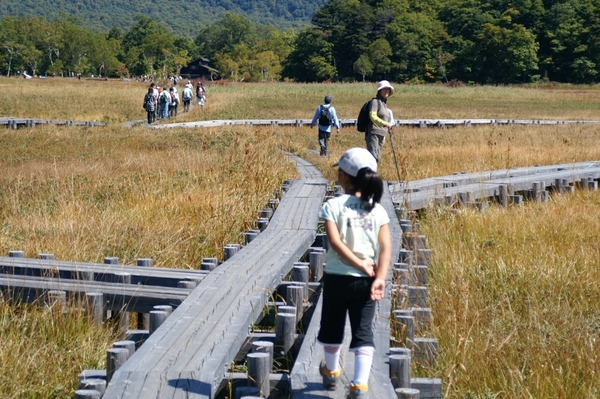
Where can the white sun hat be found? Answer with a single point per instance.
(383, 85)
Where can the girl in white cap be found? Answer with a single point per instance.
(358, 259)
(379, 119)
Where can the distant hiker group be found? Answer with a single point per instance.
(161, 103)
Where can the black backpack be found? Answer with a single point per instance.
(325, 119)
(363, 117)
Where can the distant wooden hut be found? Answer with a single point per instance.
(200, 69)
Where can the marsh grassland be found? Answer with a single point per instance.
(515, 293)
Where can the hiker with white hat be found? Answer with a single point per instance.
(379, 119)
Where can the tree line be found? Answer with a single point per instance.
(493, 42)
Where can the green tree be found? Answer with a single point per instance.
(363, 66)
(228, 67)
(312, 58)
(350, 26)
(269, 66)
(379, 52)
(223, 35)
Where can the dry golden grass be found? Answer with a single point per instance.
(516, 300)
(43, 351)
(175, 196)
(513, 291)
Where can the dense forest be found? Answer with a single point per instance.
(454, 41)
(182, 17)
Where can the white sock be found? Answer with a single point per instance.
(363, 358)
(332, 356)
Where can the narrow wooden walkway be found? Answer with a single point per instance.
(419, 123)
(465, 188)
(189, 355)
(16, 123)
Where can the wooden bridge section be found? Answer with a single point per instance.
(17, 123)
(418, 123)
(505, 186)
(189, 355)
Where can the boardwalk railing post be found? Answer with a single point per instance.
(121, 315)
(87, 394)
(400, 371)
(95, 384)
(157, 317)
(56, 300)
(115, 358)
(294, 296)
(251, 235)
(285, 332)
(126, 344)
(503, 195)
(96, 306)
(301, 272)
(264, 347)
(408, 328)
(143, 319)
(259, 371)
(316, 261)
(408, 393)
(16, 254)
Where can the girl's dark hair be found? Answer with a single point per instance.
(370, 185)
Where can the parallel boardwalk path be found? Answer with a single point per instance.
(467, 188)
(420, 123)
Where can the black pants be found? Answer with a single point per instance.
(151, 116)
(351, 295)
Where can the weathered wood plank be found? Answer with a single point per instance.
(165, 277)
(351, 122)
(131, 298)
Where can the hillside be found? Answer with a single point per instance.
(185, 17)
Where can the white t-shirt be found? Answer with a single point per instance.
(359, 231)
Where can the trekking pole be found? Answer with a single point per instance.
(395, 159)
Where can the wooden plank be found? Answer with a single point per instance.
(132, 298)
(165, 277)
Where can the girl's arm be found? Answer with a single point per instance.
(383, 263)
(342, 250)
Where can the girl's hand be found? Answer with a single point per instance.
(368, 266)
(378, 289)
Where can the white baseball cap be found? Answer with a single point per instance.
(355, 159)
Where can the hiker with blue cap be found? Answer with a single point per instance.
(326, 116)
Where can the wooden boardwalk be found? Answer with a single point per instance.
(57, 269)
(188, 356)
(468, 188)
(418, 123)
(17, 123)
